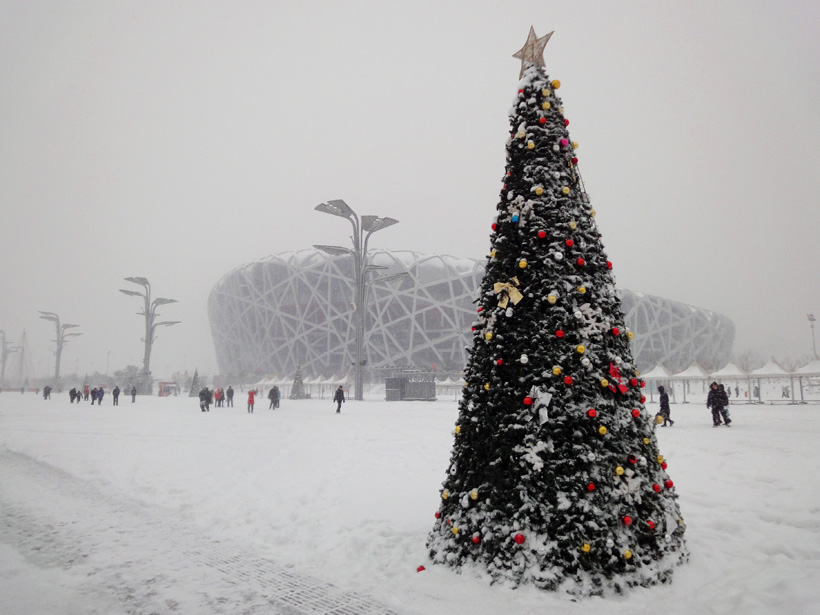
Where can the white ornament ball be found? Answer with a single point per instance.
(509, 312)
(667, 538)
(585, 362)
(558, 256)
(610, 543)
(578, 314)
(591, 457)
(524, 359)
(555, 148)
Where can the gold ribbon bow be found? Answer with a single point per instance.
(508, 292)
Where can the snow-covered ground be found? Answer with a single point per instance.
(155, 507)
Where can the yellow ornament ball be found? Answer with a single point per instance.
(602, 430)
(555, 84)
(556, 371)
(561, 110)
(521, 134)
(658, 419)
(488, 335)
(552, 298)
(573, 225)
(455, 530)
(492, 254)
(487, 386)
(474, 495)
(565, 190)
(604, 382)
(580, 349)
(646, 440)
(582, 290)
(592, 212)
(545, 92)
(458, 429)
(545, 105)
(530, 145)
(629, 336)
(539, 190)
(445, 494)
(575, 145)
(585, 547)
(522, 263)
(660, 459)
(628, 554)
(619, 471)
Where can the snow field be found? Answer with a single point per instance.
(349, 498)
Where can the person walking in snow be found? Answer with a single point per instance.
(717, 401)
(229, 396)
(85, 392)
(100, 393)
(276, 396)
(664, 407)
(116, 394)
(339, 398)
(133, 394)
(93, 395)
(272, 398)
(251, 396)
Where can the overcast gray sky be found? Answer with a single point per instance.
(178, 140)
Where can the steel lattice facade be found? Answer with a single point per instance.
(295, 308)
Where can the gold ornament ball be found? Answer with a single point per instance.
(474, 495)
(565, 190)
(492, 254)
(628, 554)
(455, 530)
(522, 263)
(573, 225)
(458, 429)
(580, 349)
(602, 430)
(592, 212)
(556, 371)
(619, 471)
(545, 105)
(604, 382)
(658, 419)
(555, 84)
(561, 110)
(585, 547)
(545, 92)
(646, 440)
(521, 134)
(444, 495)
(530, 145)
(582, 290)
(660, 459)
(539, 191)
(629, 336)
(487, 386)
(575, 145)
(488, 335)
(552, 298)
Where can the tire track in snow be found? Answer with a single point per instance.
(143, 558)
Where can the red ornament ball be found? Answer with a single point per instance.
(542, 234)
(438, 515)
(520, 91)
(493, 226)
(566, 122)
(568, 380)
(592, 413)
(421, 569)
(668, 484)
(581, 262)
(574, 160)
(559, 333)
(651, 524)
(528, 401)
(609, 264)
(476, 539)
(627, 520)
(591, 487)
(616, 331)
(499, 362)
(519, 539)
(480, 309)
(632, 459)
(569, 243)
(643, 398)
(663, 465)
(634, 382)
(636, 413)
(543, 120)
(656, 488)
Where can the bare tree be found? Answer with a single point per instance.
(748, 360)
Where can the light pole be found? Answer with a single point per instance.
(60, 340)
(150, 313)
(6, 350)
(812, 319)
(362, 230)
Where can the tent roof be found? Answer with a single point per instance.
(770, 370)
(812, 369)
(659, 372)
(693, 372)
(729, 371)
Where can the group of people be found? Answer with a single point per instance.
(219, 396)
(96, 394)
(207, 397)
(717, 401)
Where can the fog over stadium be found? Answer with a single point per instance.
(178, 141)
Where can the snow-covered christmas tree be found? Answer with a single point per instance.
(555, 477)
(297, 391)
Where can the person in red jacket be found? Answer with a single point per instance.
(251, 395)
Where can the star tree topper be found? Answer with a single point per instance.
(533, 50)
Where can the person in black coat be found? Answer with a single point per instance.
(339, 398)
(229, 396)
(133, 394)
(116, 394)
(717, 401)
(664, 404)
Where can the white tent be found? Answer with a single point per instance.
(658, 374)
(772, 371)
(693, 372)
(733, 372)
(812, 370)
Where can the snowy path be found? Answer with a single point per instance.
(130, 558)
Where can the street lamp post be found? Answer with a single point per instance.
(60, 339)
(363, 228)
(150, 313)
(812, 320)
(6, 349)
